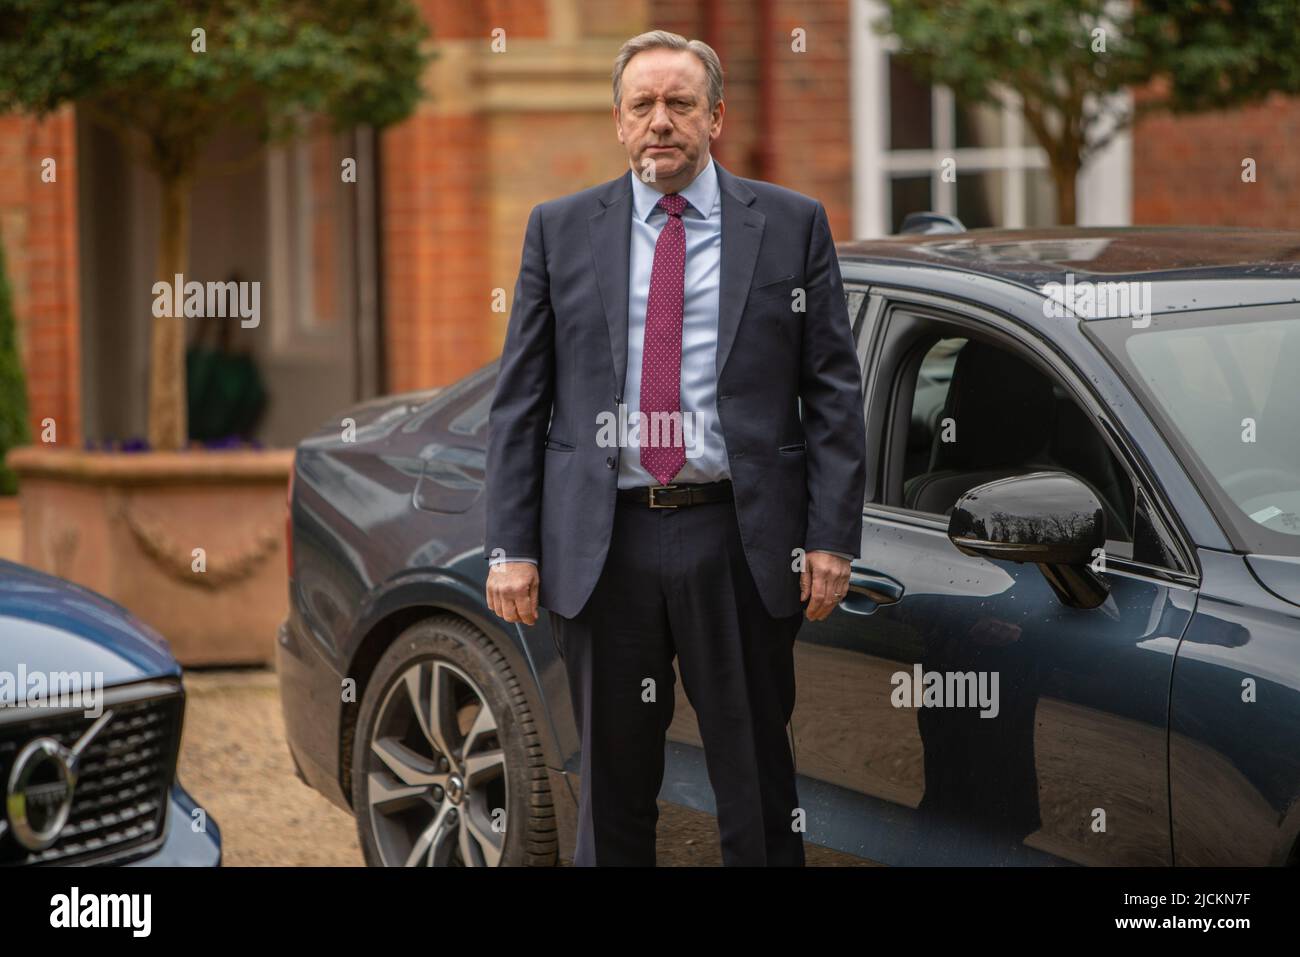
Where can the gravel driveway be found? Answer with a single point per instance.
(235, 763)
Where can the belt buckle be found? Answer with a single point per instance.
(656, 488)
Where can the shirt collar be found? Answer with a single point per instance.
(701, 193)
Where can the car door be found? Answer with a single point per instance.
(953, 710)
(686, 780)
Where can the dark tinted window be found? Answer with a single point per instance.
(981, 413)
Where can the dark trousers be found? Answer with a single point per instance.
(675, 583)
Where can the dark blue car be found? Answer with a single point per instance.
(91, 709)
(1072, 636)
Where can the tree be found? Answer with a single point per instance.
(168, 74)
(1067, 58)
(13, 390)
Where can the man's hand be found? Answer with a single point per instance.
(825, 577)
(512, 591)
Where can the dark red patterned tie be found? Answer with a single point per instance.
(661, 355)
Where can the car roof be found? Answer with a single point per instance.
(1190, 267)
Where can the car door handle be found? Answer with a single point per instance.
(869, 589)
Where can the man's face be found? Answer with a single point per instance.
(664, 118)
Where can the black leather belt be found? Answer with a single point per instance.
(674, 496)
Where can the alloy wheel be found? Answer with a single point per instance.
(436, 787)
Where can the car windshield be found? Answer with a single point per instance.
(1225, 386)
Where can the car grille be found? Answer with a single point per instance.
(119, 805)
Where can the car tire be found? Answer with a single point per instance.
(403, 816)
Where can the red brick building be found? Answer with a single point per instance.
(390, 283)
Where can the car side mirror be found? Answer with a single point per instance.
(1049, 518)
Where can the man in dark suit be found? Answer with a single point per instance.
(676, 459)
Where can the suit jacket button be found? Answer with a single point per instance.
(610, 461)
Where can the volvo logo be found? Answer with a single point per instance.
(42, 781)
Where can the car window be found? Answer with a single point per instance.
(853, 299)
(863, 311)
(1224, 384)
(928, 399)
(980, 412)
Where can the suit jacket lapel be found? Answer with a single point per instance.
(609, 232)
(742, 233)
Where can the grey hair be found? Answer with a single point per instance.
(671, 41)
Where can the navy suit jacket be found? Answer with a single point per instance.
(799, 474)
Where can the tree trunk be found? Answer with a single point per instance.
(167, 413)
(1065, 177)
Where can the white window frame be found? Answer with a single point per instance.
(1104, 187)
(295, 329)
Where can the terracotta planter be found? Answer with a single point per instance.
(127, 525)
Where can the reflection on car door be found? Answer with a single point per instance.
(1059, 752)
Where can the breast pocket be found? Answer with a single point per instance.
(778, 288)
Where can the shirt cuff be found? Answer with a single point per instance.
(829, 552)
(506, 558)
